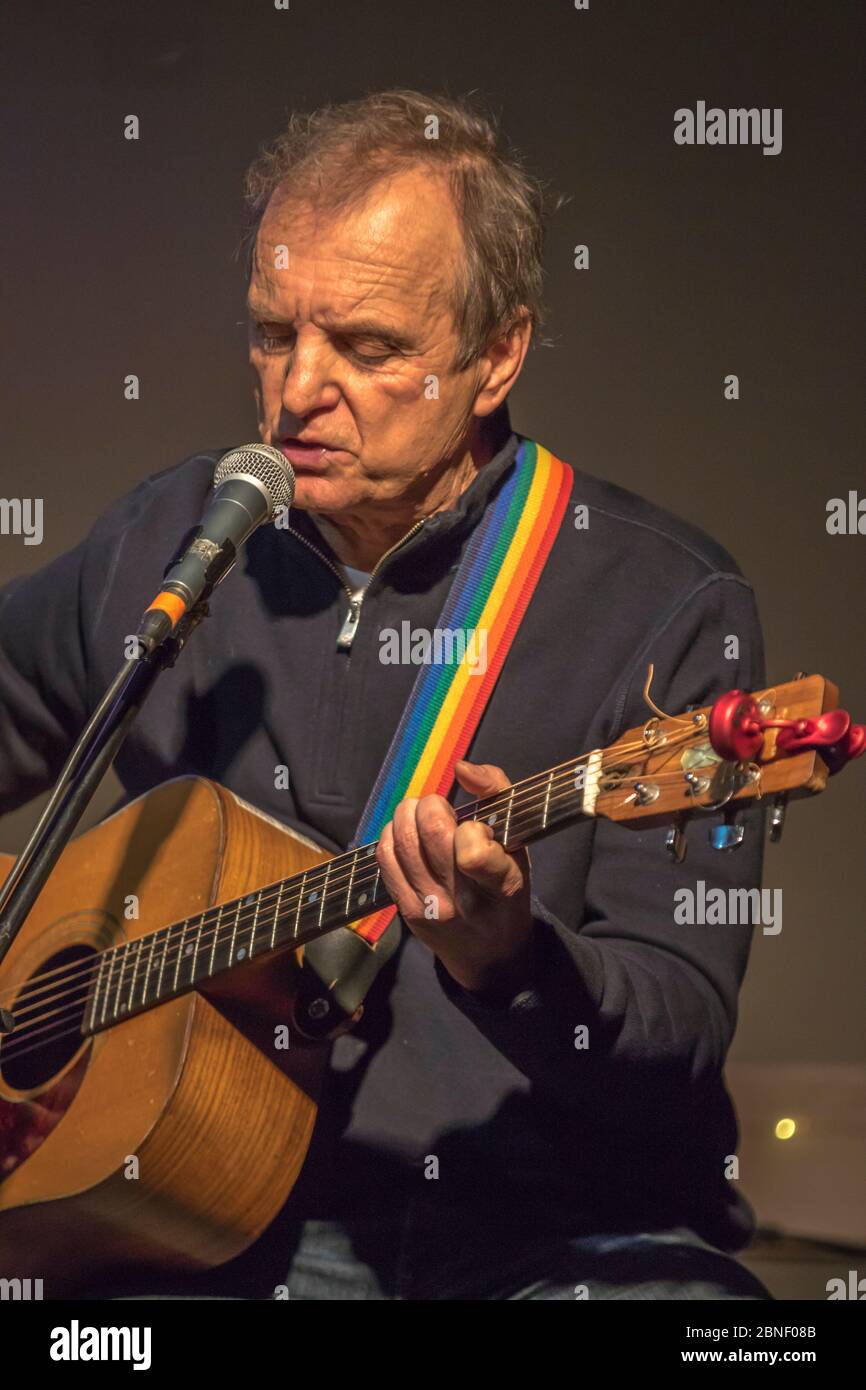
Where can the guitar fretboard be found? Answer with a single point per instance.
(292, 912)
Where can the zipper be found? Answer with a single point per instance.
(350, 625)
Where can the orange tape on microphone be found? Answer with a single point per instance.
(171, 604)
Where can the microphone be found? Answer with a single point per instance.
(250, 484)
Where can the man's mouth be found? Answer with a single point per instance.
(309, 454)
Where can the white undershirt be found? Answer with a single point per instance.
(357, 580)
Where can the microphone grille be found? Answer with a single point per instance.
(261, 461)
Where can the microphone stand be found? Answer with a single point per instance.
(93, 753)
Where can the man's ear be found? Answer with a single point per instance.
(502, 363)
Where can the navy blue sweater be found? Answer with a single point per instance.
(634, 1131)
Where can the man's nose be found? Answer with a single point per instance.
(309, 383)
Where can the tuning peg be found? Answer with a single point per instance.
(676, 843)
(729, 835)
(737, 728)
(777, 817)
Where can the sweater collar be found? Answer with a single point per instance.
(456, 521)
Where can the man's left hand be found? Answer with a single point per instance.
(456, 888)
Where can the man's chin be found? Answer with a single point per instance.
(315, 493)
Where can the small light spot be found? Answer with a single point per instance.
(785, 1129)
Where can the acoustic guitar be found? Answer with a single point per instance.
(156, 1098)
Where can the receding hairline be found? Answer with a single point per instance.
(446, 293)
(330, 208)
(337, 154)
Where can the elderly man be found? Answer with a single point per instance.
(531, 1104)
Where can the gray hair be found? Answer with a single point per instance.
(333, 156)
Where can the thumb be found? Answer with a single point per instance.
(480, 777)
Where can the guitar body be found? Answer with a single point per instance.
(171, 1139)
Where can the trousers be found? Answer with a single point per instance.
(381, 1259)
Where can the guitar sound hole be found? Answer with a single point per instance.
(48, 1013)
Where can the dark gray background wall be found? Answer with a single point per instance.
(118, 257)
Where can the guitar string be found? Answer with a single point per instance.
(221, 931)
(24, 1044)
(20, 1045)
(496, 801)
(525, 803)
(15, 1046)
(129, 967)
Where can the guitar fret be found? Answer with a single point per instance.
(194, 963)
(371, 850)
(179, 955)
(277, 912)
(147, 971)
(301, 891)
(137, 944)
(216, 936)
(547, 799)
(242, 902)
(351, 881)
(166, 934)
(253, 928)
(324, 891)
(121, 956)
(95, 1005)
(106, 1002)
(508, 817)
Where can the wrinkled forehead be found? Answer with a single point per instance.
(401, 242)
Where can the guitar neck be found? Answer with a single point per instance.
(661, 772)
(292, 912)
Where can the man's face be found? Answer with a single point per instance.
(353, 344)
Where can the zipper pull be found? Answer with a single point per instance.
(350, 626)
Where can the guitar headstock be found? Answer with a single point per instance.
(783, 742)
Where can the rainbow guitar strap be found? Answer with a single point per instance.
(490, 593)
